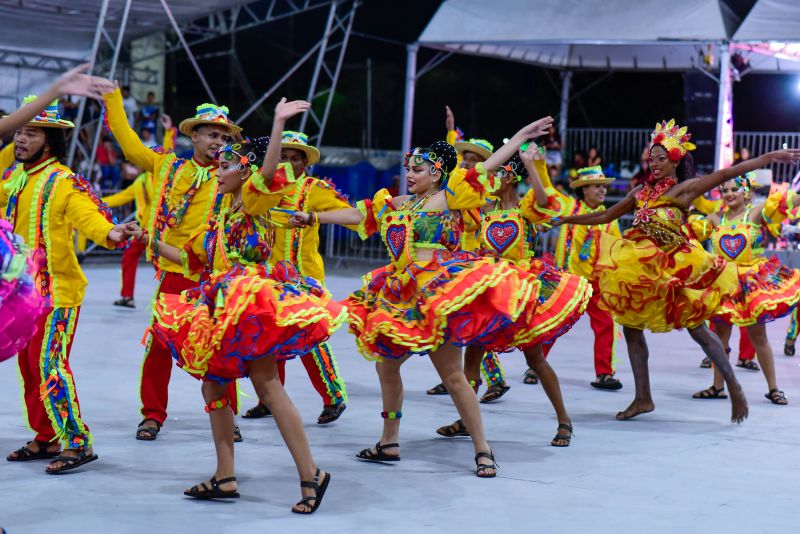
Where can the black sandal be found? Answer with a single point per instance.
(788, 350)
(70, 462)
(25, 454)
(607, 382)
(438, 390)
(331, 413)
(237, 435)
(148, 433)
(379, 456)
(204, 491)
(562, 441)
(257, 412)
(711, 393)
(750, 365)
(319, 490)
(125, 302)
(481, 468)
(706, 363)
(777, 396)
(452, 430)
(530, 377)
(495, 392)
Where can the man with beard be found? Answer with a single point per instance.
(44, 200)
(184, 201)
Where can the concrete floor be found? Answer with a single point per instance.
(683, 468)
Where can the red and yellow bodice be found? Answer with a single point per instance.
(507, 234)
(661, 220)
(739, 241)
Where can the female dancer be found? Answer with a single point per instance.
(433, 297)
(508, 233)
(767, 289)
(242, 319)
(655, 278)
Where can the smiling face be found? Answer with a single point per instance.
(207, 139)
(30, 144)
(733, 195)
(660, 165)
(419, 179)
(594, 194)
(470, 159)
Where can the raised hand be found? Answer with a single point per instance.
(791, 155)
(166, 122)
(450, 120)
(286, 110)
(537, 128)
(77, 82)
(531, 154)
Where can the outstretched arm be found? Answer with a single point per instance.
(344, 217)
(504, 153)
(528, 157)
(695, 188)
(164, 250)
(73, 82)
(613, 213)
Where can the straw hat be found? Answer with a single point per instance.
(209, 114)
(299, 141)
(590, 176)
(49, 117)
(482, 147)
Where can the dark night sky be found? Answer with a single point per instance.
(490, 98)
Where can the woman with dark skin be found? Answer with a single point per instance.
(679, 286)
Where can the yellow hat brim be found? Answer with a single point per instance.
(64, 125)
(311, 152)
(188, 125)
(465, 146)
(575, 184)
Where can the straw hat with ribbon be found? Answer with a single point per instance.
(482, 147)
(50, 117)
(209, 114)
(590, 176)
(299, 141)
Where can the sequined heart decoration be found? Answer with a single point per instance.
(732, 245)
(396, 240)
(502, 235)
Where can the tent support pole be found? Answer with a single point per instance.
(566, 81)
(723, 145)
(408, 108)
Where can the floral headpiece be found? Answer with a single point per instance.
(513, 167)
(673, 138)
(248, 153)
(745, 181)
(441, 155)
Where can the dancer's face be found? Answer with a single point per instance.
(296, 158)
(207, 139)
(231, 175)
(594, 194)
(660, 164)
(470, 159)
(30, 144)
(732, 194)
(419, 179)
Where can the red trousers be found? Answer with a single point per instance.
(605, 332)
(158, 364)
(130, 261)
(62, 396)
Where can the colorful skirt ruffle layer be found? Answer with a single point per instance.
(455, 297)
(245, 314)
(768, 290)
(21, 302)
(649, 288)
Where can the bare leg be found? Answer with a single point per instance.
(264, 372)
(723, 331)
(392, 396)
(447, 361)
(549, 380)
(758, 337)
(222, 432)
(638, 355)
(472, 365)
(714, 349)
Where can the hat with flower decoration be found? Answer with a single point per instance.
(209, 114)
(481, 147)
(50, 117)
(673, 138)
(299, 141)
(590, 176)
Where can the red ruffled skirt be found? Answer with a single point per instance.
(245, 314)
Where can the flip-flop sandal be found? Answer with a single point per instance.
(25, 454)
(438, 390)
(148, 433)
(331, 413)
(237, 435)
(481, 468)
(319, 492)
(70, 462)
(777, 396)
(606, 382)
(204, 491)
(750, 365)
(530, 377)
(455, 429)
(495, 392)
(563, 441)
(711, 393)
(379, 456)
(706, 363)
(257, 412)
(788, 350)
(125, 303)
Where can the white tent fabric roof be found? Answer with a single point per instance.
(771, 20)
(593, 34)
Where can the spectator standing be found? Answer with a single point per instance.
(130, 105)
(149, 114)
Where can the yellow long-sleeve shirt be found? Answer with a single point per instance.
(185, 197)
(52, 202)
(6, 157)
(299, 246)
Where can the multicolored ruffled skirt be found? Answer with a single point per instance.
(455, 297)
(660, 289)
(768, 290)
(21, 303)
(244, 314)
